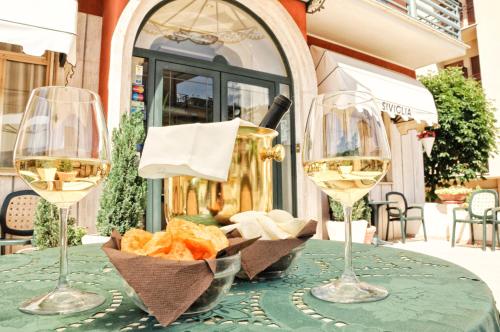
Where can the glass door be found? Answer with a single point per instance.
(245, 98)
(249, 99)
(186, 94)
(182, 94)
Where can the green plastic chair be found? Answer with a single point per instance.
(16, 218)
(398, 211)
(496, 228)
(480, 211)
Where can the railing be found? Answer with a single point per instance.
(442, 15)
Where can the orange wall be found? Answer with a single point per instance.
(297, 9)
(93, 7)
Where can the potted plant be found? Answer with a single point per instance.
(345, 166)
(453, 194)
(47, 170)
(361, 214)
(65, 171)
(427, 138)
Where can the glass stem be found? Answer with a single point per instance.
(63, 244)
(348, 276)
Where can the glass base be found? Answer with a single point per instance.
(63, 300)
(349, 292)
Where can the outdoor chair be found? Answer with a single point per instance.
(16, 218)
(480, 211)
(398, 211)
(495, 228)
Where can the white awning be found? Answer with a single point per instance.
(397, 94)
(40, 25)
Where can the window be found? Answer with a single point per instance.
(211, 30)
(467, 15)
(19, 74)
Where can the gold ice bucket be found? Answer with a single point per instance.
(249, 185)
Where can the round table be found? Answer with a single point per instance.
(426, 294)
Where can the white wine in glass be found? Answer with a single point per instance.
(62, 153)
(346, 153)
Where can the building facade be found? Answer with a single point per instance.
(482, 63)
(187, 61)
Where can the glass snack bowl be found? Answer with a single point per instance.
(226, 269)
(278, 269)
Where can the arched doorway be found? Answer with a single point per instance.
(286, 38)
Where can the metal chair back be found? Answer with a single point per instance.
(481, 200)
(401, 202)
(18, 212)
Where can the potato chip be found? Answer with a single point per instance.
(159, 243)
(180, 229)
(183, 240)
(200, 248)
(217, 237)
(188, 230)
(178, 252)
(134, 240)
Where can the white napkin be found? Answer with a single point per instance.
(201, 150)
(274, 225)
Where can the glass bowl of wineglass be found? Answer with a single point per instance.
(62, 153)
(346, 153)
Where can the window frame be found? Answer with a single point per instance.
(47, 60)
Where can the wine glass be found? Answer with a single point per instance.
(346, 154)
(62, 153)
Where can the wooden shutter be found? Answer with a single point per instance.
(475, 67)
(469, 7)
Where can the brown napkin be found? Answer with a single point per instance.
(167, 288)
(263, 253)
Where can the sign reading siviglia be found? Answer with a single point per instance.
(396, 109)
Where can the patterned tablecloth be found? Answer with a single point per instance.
(427, 294)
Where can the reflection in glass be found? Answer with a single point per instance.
(246, 101)
(187, 98)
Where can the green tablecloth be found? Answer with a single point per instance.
(427, 294)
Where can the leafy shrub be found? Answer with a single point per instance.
(123, 200)
(46, 227)
(466, 136)
(360, 210)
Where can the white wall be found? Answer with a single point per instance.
(488, 36)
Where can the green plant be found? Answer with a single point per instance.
(360, 210)
(46, 227)
(65, 166)
(453, 190)
(466, 136)
(123, 200)
(45, 164)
